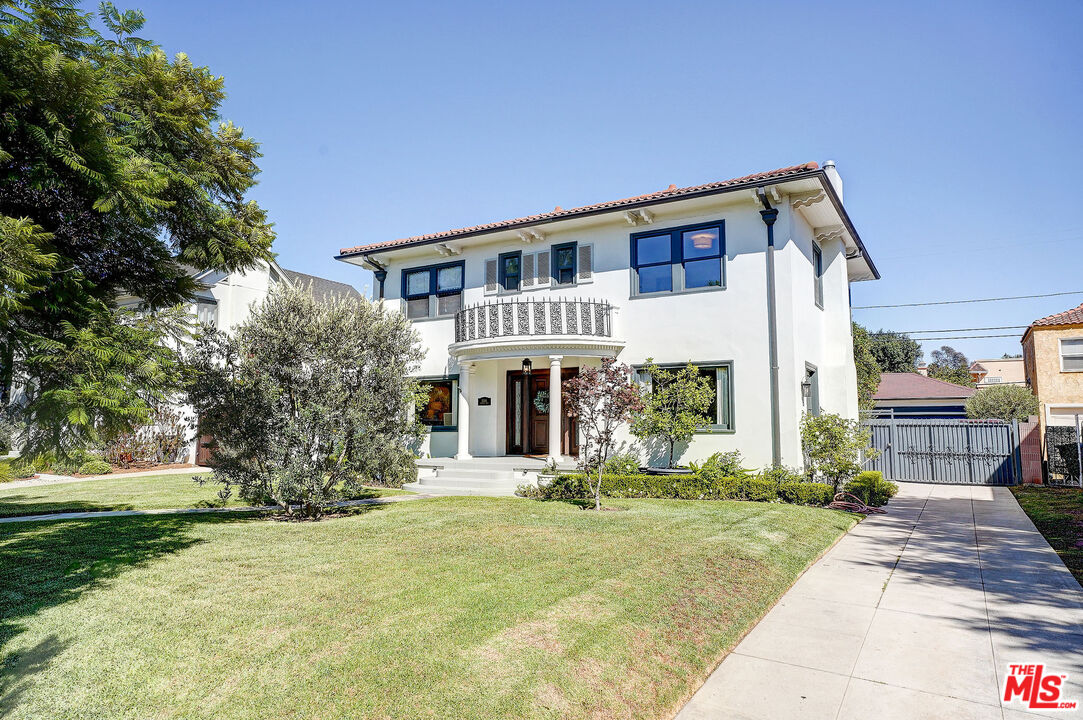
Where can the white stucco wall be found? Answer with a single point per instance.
(727, 325)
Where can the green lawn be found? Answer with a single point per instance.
(121, 492)
(1057, 512)
(436, 608)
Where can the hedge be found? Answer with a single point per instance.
(871, 487)
(571, 486)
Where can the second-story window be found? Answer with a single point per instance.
(818, 274)
(681, 259)
(433, 291)
(511, 271)
(564, 263)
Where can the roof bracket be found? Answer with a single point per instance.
(641, 216)
(530, 235)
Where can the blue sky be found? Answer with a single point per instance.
(955, 125)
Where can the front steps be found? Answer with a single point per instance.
(493, 476)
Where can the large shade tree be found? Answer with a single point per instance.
(117, 176)
(868, 369)
(894, 352)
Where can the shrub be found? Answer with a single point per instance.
(95, 466)
(871, 487)
(781, 474)
(22, 470)
(806, 493)
(1003, 402)
(833, 447)
(622, 464)
(720, 465)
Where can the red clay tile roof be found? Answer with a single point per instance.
(1068, 317)
(671, 192)
(912, 386)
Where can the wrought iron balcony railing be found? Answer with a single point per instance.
(523, 318)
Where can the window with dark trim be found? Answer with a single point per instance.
(511, 271)
(439, 408)
(687, 258)
(818, 274)
(433, 291)
(720, 377)
(563, 259)
(812, 400)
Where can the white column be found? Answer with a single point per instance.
(555, 411)
(463, 420)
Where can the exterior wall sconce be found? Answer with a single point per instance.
(527, 365)
(806, 389)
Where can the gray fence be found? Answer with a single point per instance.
(971, 452)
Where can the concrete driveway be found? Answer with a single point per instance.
(914, 614)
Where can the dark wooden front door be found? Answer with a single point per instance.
(528, 415)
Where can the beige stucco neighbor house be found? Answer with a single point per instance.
(1053, 365)
(998, 371)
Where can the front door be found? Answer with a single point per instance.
(528, 415)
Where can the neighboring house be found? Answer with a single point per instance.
(1053, 363)
(749, 279)
(227, 299)
(999, 371)
(915, 395)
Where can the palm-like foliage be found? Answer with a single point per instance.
(116, 176)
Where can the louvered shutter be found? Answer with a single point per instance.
(528, 270)
(491, 280)
(585, 269)
(543, 267)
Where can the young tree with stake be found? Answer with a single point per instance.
(603, 399)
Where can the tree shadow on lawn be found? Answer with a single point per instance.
(21, 505)
(49, 563)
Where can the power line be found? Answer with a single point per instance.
(948, 337)
(963, 302)
(918, 332)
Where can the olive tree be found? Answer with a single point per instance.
(1004, 402)
(308, 400)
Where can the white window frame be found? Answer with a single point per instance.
(1061, 353)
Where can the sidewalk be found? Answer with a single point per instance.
(914, 614)
(50, 479)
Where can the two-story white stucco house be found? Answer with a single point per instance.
(748, 278)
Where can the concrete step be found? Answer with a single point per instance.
(489, 474)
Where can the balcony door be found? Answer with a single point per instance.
(528, 415)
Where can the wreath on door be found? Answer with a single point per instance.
(541, 402)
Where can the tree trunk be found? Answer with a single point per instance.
(671, 444)
(598, 494)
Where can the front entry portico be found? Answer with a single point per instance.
(535, 414)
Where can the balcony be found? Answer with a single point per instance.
(527, 318)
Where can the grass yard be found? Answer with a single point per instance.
(438, 608)
(1057, 512)
(150, 492)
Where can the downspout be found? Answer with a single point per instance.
(379, 272)
(769, 215)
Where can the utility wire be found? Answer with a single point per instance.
(918, 332)
(963, 302)
(949, 337)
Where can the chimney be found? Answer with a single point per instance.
(923, 369)
(833, 176)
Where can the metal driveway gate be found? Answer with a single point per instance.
(971, 452)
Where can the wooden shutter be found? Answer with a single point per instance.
(543, 268)
(491, 280)
(585, 268)
(528, 270)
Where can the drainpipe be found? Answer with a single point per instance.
(379, 272)
(769, 215)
